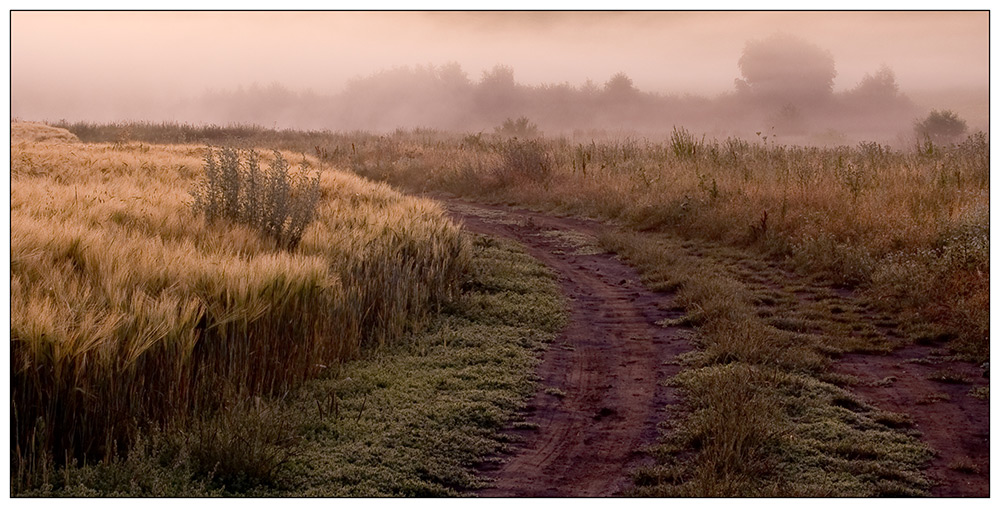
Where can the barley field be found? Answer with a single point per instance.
(131, 310)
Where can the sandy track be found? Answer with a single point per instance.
(601, 391)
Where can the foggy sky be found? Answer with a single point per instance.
(68, 64)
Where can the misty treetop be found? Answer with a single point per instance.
(784, 69)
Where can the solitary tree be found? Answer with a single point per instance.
(787, 70)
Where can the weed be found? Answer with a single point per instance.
(950, 377)
(521, 127)
(964, 465)
(275, 203)
(522, 161)
(683, 144)
(933, 398)
(980, 392)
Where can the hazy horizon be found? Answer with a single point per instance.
(138, 65)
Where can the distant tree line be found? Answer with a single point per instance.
(785, 88)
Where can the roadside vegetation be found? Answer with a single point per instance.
(764, 416)
(908, 228)
(413, 418)
(783, 257)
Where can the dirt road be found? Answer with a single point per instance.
(601, 389)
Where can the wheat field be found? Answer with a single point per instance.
(130, 310)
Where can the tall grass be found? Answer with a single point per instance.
(130, 311)
(909, 227)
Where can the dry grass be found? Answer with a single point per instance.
(36, 132)
(128, 310)
(910, 227)
(762, 419)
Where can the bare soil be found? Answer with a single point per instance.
(602, 391)
(928, 384)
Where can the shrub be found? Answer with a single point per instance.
(940, 127)
(520, 128)
(276, 203)
(522, 162)
(684, 144)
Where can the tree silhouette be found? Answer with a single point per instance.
(500, 77)
(620, 86)
(785, 69)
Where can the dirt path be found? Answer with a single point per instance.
(601, 393)
(601, 390)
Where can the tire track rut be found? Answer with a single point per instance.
(601, 391)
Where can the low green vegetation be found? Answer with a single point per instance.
(764, 416)
(413, 418)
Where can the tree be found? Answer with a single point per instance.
(453, 77)
(500, 77)
(497, 94)
(620, 86)
(880, 85)
(785, 69)
(940, 127)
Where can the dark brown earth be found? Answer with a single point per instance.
(601, 391)
(928, 384)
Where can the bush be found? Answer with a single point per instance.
(940, 127)
(520, 128)
(522, 161)
(684, 144)
(275, 202)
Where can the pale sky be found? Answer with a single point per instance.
(105, 56)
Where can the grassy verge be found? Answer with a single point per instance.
(764, 418)
(410, 419)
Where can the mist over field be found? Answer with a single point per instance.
(811, 77)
